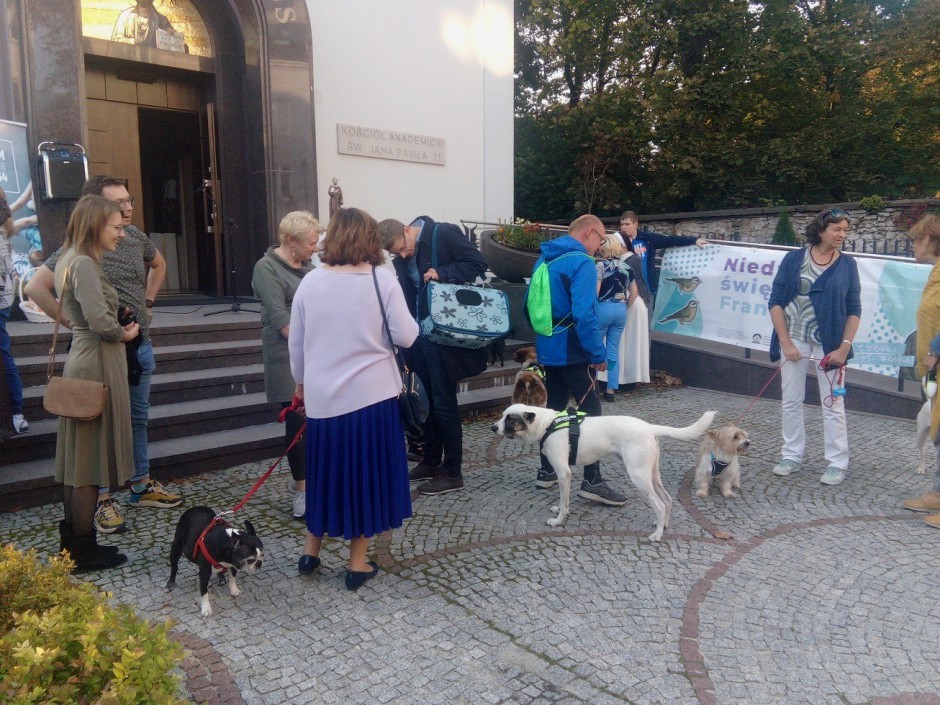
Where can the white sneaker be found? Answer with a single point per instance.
(300, 505)
(833, 476)
(19, 424)
(785, 467)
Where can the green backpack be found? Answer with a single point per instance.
(538, 298)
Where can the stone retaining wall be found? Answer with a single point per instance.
(882, 231)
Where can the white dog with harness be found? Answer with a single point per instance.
(633, 439)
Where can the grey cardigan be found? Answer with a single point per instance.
(275, 282)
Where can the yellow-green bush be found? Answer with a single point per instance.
(62, 642)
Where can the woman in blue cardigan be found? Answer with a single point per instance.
(815, 306)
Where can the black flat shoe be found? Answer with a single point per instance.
(307, 564)
(356, 579)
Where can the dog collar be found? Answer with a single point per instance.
(200, 547)
(535, 368)
(718, 466)
(572, 420)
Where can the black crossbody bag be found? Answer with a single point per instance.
(412, 400)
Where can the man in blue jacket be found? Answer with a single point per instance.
(575, 350)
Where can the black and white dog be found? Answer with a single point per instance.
(633, 440)
(223, 547)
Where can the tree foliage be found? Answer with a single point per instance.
(663, 105)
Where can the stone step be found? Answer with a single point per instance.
(175, 387)
(30, 482)
(32, 339)
(178, 358)
(167, 422)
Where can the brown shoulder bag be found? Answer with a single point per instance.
(69, 397)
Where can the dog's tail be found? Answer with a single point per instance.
(689, 433)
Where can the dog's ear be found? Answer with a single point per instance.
(529, 418)
(249, 529)
(714, 433)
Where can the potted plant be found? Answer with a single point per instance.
(513, 248)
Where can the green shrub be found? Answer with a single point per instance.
(872, 203)
(62, 642)
(784, 233)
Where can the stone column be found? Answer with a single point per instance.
(55, 95)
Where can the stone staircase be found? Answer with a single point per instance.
(208, 408)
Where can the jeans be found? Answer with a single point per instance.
(611, 320)
(561, 383)
(140, 411)
(793, 390)
(443, 432)
(9, 366)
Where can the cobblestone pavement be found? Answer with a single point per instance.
(822, 595)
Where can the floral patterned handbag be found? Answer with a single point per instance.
(462, 315)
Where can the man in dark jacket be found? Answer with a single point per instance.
(439, 367)
(575, 349)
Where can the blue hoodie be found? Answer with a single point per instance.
(577, 340)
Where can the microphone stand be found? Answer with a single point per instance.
(236, 306)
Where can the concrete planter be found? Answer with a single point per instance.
(507, 263)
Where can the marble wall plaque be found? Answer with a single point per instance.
(389, 144)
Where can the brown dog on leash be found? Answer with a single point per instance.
(530, 380)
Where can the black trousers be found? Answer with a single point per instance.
(562, 383)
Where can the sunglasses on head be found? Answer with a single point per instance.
(837, 214)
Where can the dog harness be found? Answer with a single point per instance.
(535, 368)
(200, 547)
(718, 466)
(571, 419)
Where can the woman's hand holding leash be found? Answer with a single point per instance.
(790, 352)
(296, 404)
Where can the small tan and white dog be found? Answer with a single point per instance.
(635, 441)
(718, 460)
(530, 380)
(923, 431)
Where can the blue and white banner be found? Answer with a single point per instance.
(720, 292)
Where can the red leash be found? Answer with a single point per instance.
(294, 406)
(823, 365)
(200, 547)
(754, 400)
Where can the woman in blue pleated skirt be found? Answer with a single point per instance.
(348, 381)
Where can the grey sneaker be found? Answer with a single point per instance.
(833, 476)
(602, 494)
(299, 505)
(785, 467)
(546, 478)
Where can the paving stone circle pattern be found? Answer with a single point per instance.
(822, 595)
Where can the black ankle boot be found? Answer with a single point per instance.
(88, 555)
(65, 539)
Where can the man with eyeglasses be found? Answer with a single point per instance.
(440, 367)
(137, 270)
(575, 350)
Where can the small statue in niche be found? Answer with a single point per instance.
(336, 197)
